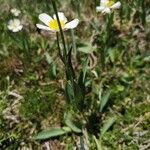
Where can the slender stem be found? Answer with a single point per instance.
(61, 31)
(59, 49)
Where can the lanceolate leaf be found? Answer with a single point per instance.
(82, 76)
(104, 100)
(107, 125)
(69, 94)
(98, 143)
(86, 47)
(79, 97)
(71, 125)
(52, 132)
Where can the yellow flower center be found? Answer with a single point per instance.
(109, 3)
(53, 24)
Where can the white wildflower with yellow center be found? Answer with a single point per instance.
(14, 25)
(52, 23)
(107, 5)
(15, 12)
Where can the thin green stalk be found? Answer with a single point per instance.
(61, 31)
(68, 66)
(59, 49)
(65, 55)
(109, 22)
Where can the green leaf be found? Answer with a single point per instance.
(98, 143)
(70, 71)
(79, 96)
(112, 54)
(82, 76)
(74, 94)
(52, 132)
(107, 125)
(54, 70)
(69, 94)
(71, 125)
(48, 58)
(25, 43)
(86, 48)
(104, 100)
(147, 59)
(66, 129)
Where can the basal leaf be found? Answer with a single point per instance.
(107, 125)
(104, 100)
(69, 94)
(98, 144)
(86, 48)
(71, 125)
(52, 132)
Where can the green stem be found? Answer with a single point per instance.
(67, 68)
(59, 49)
(61, 31)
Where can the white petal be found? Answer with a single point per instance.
(106, 10)
(15, 30)
(61, 17)
(45, 18)
(72, 24)
(100, 8)
(15, 12)
(10, 22)
(116, 5)
(16, 22)
(14, 25)
(10, 27)
(40, 26)
(103, 2)
(20, 27)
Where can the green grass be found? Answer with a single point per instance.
(30, 67)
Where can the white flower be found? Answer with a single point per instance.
(52, 23)
(107, 5)
(14, 25)
(15, 12)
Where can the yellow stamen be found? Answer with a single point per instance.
(53, 24)
(109, 3)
